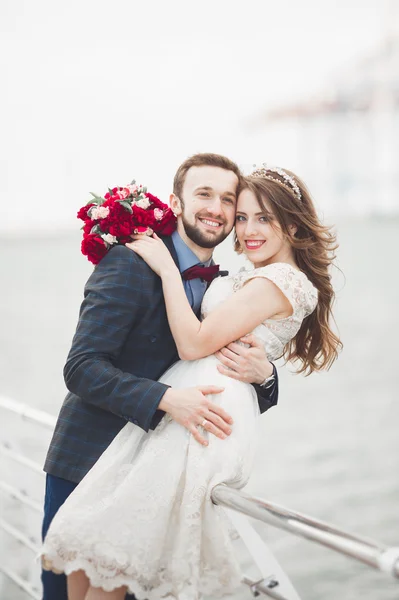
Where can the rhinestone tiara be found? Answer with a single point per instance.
(290, 183)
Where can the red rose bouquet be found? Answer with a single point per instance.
(122, 212)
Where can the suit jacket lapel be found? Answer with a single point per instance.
(171, 247)
(167, 240)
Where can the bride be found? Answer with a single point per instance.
(142, 521)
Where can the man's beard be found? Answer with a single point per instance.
(200, 238)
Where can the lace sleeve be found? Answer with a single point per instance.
(294, 284)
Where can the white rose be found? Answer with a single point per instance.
(109, 239)
(99, 212)
(132, 188)
(143, 203)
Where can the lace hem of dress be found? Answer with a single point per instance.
(143, 589)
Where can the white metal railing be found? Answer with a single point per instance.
(368, 552)
(39, 417)
(47, 421)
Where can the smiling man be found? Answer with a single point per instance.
(205, 198)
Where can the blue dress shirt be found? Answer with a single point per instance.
(194, 288)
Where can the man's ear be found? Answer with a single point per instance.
(175, 205)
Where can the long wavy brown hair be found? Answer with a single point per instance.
(315, 347)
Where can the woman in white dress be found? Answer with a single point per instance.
(142, 520)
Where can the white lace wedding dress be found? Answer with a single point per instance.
(142, 517)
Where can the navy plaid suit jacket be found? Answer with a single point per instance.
(122, 345)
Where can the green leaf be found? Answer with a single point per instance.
(96, 229)
(126, 205)
(97, 199)
(144, 190)
(133, 182)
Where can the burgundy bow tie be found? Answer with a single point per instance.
(198, 272)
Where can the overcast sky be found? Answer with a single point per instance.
(97, 92)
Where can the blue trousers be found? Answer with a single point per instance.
(57, 491)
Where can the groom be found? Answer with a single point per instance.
(123, 343)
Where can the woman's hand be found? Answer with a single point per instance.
(154, 252)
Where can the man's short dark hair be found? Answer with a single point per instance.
(202, 160)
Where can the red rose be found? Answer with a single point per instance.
(156, 202)
(119, 221)
(82, 213)
(111, 194)
(121, 229)
(108, 201)
(168, 224)
(89, 224)
(142, 216)
(94, 248)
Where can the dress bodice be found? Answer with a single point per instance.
(275, 333)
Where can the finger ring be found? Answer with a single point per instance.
(204, 422)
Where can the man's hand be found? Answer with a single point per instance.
(191, 408)
(247, 364)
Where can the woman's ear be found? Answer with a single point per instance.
(292, 228)
(175, 205)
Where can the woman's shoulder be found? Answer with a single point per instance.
(304, 293)
(293, 282)
(275, 271)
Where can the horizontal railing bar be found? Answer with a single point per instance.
(368, 552)
(21, 583)
(21, 496)
(27, 462)
(19, 536)
(26, 412)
